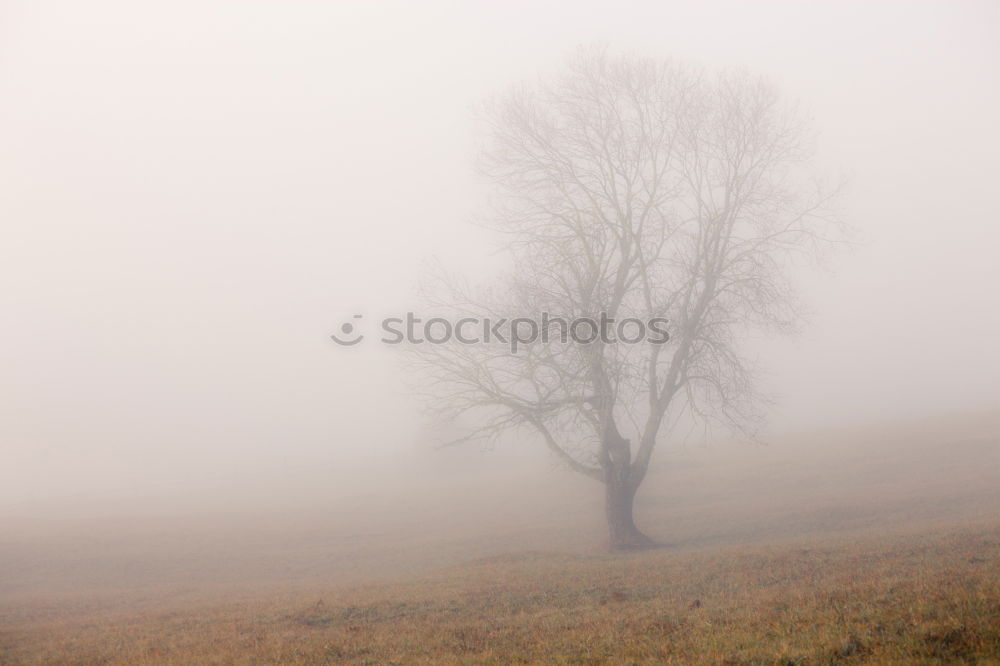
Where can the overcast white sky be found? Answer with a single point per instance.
(193, 195)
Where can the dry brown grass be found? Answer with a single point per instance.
(878, 545)
(921, 596)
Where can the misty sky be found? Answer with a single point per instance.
(194, 195)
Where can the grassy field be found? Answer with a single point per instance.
(879, 545)
(929, 595)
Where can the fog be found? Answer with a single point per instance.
(196, 195)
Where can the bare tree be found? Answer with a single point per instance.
(634, 188)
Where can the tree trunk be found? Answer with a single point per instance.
(619, 501)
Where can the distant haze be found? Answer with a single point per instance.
(194, 195)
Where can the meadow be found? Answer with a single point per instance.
(771, 557)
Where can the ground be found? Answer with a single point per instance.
(878, 546)
(929, 595)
